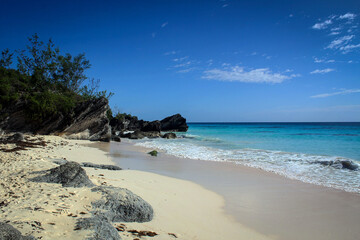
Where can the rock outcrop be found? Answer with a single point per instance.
(70, 174)
(131, 127)
(88, 120)
(8, 232)
(119, 204)
(174, 123)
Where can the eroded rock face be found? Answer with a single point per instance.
(88, 118)
(70, 174)
(91, 116)
(121, 205)
(8, 232)
(174, 123)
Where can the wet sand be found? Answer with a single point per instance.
(265, 202)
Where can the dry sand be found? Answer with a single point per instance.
(49, 211)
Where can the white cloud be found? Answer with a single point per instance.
(334, 33)
(317, 60)
(291, 15)
(322, 25)
(238, 74)
(343, 92)
(339, 42)
(348, 16)
(164, 24)
(349, 47)
(185, 64)
(322, 71)
(170, 53)
(153, 34)
(180, 59)
(225, 5)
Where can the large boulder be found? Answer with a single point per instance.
(70, 174)
(175, 123)
(121, 205)
(8, 232)
(100, 226)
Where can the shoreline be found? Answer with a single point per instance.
(267, 202)
(182, 209)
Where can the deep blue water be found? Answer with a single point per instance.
(294, 150)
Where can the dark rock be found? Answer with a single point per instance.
(349, 165)
(175, 123)
(16, 137)
(136, 135)
(121, 205)
(116, 138)
(8, 232)
(340, 164)
(70, 174)
(153, 153)
(169, 136)
(154, 126)
(88, 118)
(151, 134)
(100, 226)
(101, 166)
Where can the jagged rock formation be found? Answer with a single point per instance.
(88, 120)
(140, 128)
(8, 232)
(70, 174)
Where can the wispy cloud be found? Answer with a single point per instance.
(340, 42)
(317, 60)
(349, 47)
(322, 25)
(343, 29)
(348, 16)
(342, 92)
(164, 24)
(322, 71)
(239, 74)
(170, 53)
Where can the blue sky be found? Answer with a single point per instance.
(220, 60)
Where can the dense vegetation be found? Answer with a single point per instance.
(46, 81)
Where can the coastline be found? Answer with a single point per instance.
(181, 207)
(269, 203)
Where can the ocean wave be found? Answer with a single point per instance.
(304, 167)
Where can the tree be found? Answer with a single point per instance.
(6, 58)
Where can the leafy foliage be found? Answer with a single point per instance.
(48, 83)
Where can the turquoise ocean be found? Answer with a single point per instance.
(309, 152)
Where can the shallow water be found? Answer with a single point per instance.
(293, 150)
